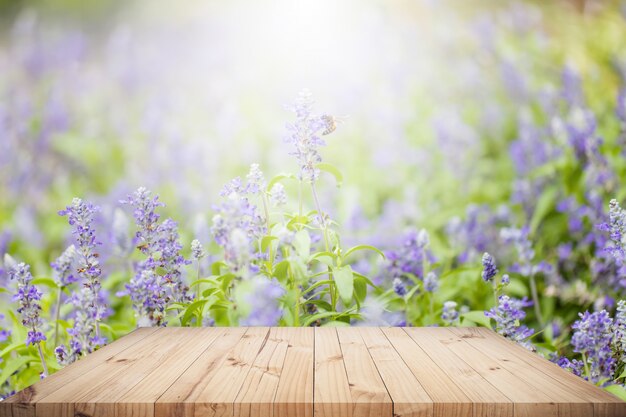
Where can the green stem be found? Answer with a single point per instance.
(318, 207)
(43, 361)
(57, 315)
(533, 291)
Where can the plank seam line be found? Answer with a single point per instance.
(451, 377)
(282, 369)
(344, 368)
(243, 381)
(314, 360)
(479, 353)
(94, 367)
(126, 390)
(182, 373)
(558, 382)
(393, 405)
(411, 370)
(221, 331)
(14, 404)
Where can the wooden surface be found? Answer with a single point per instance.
(307, 372)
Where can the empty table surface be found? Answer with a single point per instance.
(326, 372)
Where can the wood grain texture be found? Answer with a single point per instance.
(306, 372)
(23, 403)
(294, 395)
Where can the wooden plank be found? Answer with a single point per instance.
(218, 397)
(569, 402)
(256, 397)
(409, 398)
(139, 400)
(368, 391)
(331, 387)
(62, 402)
(179, 399)
(528, 400)
(488, 401)
(23, 402)
(294, 395)
(448, 399)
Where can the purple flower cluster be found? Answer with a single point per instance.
(305, 134)
(450, 315)
(593, 337)
(617, 232)
(64, 267)
(158, 279)
(89, 304)
(507, 315)
(81, 215)
(28, 298)
(264, 303)
(411, 258)
(489, 267)
(478, 232)
(238, 223)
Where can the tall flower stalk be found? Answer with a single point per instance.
(89, 306)
(28, 297)
(158, 278)
(64, 273)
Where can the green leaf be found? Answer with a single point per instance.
(13, 365)
(192, 310)
(331, 169)
(546, 203)
(315, 317)
(266, 241)
(617, 390)
(278, 178)
(360, 289)
(11, 348)
(363, 247)
(478, 317)
(46, 282)
(302, 243)
(344, 279)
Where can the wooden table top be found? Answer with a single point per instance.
(301, 372)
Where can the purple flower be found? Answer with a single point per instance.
(507, 315)
(197, 250)
(431, 282)
(525, 252)
(89, 305)
(489, 267)
(305, 133)
(152, 292)
(411, 257)
(236, 227)
(64, 267)
(593, 336)
(28, 298)
(80, 216)
(450, 315)
(264, 303)
(617, 231)
(399, 287)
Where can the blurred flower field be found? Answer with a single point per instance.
(446, 165)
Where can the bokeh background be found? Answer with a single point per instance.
(461, 118)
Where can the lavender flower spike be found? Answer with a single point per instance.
(28, 298)
(507, 315)
(593, 335)
(450, 315)
(489, 267)
(617, 231)
(305, 136)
